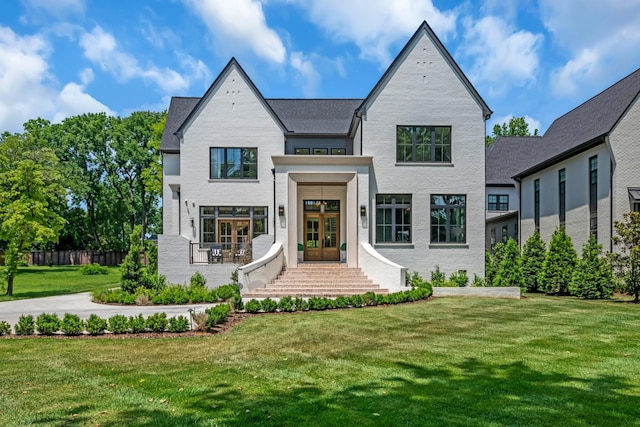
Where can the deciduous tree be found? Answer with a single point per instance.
(517, 126)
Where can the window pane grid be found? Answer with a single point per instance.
(423, 144)
(393, 218)
(448, 218)
(234, 163)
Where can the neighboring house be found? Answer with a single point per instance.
(389, 183)
(584, 172)
(505, 157)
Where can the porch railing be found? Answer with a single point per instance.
(219, 253)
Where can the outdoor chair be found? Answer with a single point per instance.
(215, 254)
(238, 256)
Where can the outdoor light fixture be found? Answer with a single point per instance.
(363, 210)
(281, 210)
(193, 223)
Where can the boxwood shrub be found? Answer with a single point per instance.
(118, 324)
(96, 325)
(178, 324)
(269, 305)
(157, 322)
(286, 304)
(137, 324)
(93, 269)
(47, 324)
(253, 306)
(25, 325)
(72, 324)
(5, 328)
(217, 314)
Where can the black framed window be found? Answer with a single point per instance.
(393, 218)
(233, 163)
(498, 202)
(536, 204)
(562, 196)
(593, 195)
(448, 218)
(301, 150)
(210, 214)
(423, 144)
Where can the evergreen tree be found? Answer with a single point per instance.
(592, 278)
(492, 262)
(132, 275)
(510, 267)
(533, 255)
(626, 261)
(559, 264)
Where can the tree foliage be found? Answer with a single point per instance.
(592, 278)
(533, 254)
(626, 260)
(132, 274)
(30, 190)
(492, 262)
(517, 126)
(558, 265)
(509, 271)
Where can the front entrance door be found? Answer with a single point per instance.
(321, 231)
(233, 234)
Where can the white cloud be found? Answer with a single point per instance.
(57, 8)
(309, 77)
(86, 76)
(240, 24)
(501, 55)
(101, 48)
(27, 89)
(375, 25)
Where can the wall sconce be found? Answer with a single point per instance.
(281, 210)
(193, 223)
(363, 210)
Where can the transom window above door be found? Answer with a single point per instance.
(423, 144)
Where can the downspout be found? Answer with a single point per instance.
(273, 171)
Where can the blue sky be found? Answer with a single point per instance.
(532, 58)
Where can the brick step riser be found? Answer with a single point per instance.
(304, 294)
(331, 282)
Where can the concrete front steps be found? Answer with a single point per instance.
(318, 280)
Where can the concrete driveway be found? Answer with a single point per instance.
(82, 305)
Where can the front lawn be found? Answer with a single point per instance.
(452, 361)
(34, 282)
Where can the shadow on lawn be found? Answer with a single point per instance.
(470, 393)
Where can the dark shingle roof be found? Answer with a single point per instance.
(316, 116)
(584, 125)
(179, 110)
(507, 156)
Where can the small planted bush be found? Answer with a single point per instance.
(157, 322)
(356, 301)
(197, 280)
(438, 278)
(342, 302)
(200, 319)
(118, 324)
(317, 303)
(93, 269)
(172, 294)
(178, 324)
(71, 324)
(286, 304)
(96, 325)
(253, 306)
(301, 304)
(217, 314)
(137, 324)
(226, 292)
(459, 279)
(5, 328)
(269, 305)
(47, 324)
(25, 325)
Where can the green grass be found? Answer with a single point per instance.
(35, 282)
(477, 362)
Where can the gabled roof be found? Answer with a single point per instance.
(233, 64)
(315, 116)
(179, 110)
(584, 126)
(507, 156)
(425, 28)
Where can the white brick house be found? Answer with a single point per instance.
(391, 182)
(583, 172)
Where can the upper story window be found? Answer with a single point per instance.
(536, 204)
(423, 144)
(448, 218)
(498, 202)
(393, 218)
(562, 195)
(233, 163)
(593, 195)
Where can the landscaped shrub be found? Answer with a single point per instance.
(71, 324)
(626, 259)
(137, 324)
(492, 262)
(96, 325)
(533, 255)
(510, 268)
(459, 278)
(415, 280)
(438, 278)
(198, 294)
(157, 322)
(172, 294)
(93, 269)
(5, 328)
(286, 304)
(118, 324)
(25, 325)
(253, 306)
(269, 305)
(132, 275)
(151, 250)
(301, 304)
(47, 324)
(317, 303)
(178, 324)
(558, 265)
(217, 314)
(226, 292)
(342, 302)
(592, 278)
(200, 320)
(198, 280)
(478, 282)
(356, 301)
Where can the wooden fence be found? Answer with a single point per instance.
(77, 257)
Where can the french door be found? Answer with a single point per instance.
(321, 234)
(233, 234)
